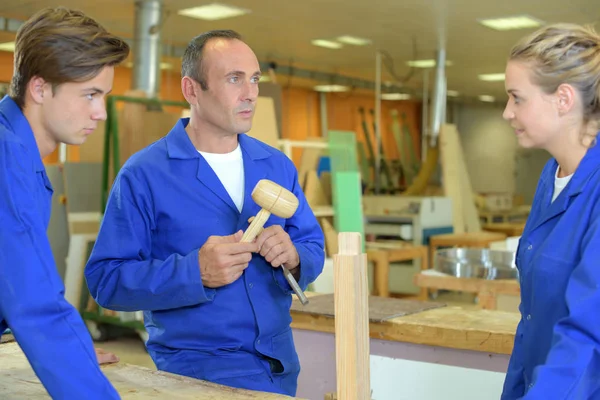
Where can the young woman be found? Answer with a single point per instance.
(552, 79)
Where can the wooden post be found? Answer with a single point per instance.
(351, 297)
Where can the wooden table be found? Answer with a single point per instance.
(18, 381)
(508, 228)
(487, 290)
(451, 327)
(381, 257)
(467, 344)
(517, 213)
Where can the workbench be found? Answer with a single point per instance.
(382, 257)
(508, 228)
(18, 381)
(492, 294)
(443, 353)
(519, 213)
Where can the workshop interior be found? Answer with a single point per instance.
(392, 114)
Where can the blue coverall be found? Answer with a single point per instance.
(557, 345)
(48, 329)
(164, 204)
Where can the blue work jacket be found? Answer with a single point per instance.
(48, 329)
(164, 204)
(556, 351)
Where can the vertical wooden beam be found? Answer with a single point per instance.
(351, 297)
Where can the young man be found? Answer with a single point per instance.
(63, 68)
(215, 309)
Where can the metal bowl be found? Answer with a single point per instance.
(477, 263)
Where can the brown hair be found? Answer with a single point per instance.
(565, 53)
(61, 45)
(191, 64)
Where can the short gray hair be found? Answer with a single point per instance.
(191, 64)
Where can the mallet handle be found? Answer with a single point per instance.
(253, 231)
(256, 226)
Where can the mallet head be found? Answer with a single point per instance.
(275, 198)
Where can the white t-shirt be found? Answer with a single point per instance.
(560, 183)
(229, 168)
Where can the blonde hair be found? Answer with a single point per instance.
(565, 53)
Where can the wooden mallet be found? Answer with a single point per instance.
(274, 199)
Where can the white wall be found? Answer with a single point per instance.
(489, 145)
(529, 167)
(398, 379)
(494, 160)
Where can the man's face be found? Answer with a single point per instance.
(72, 112)
(232, 72)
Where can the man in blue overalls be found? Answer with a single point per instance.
(64, 65)
(215, 308)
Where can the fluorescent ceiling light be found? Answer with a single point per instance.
(8, 46)
(331, 88)
(508, 23)
(492, 77)
(452, 93)
(162, 65)
(353, 40)
(327, 44)
(395, 96)
(213, 12)
(486, 98)
(425, 63)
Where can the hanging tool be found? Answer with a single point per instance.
(385, 167)
(403, 161)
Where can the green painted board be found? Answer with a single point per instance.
(346, 182)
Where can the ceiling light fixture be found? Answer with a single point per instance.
(492, 77)
(353, 40)
(8, 46)
(162, 65)
(425, 63)
(395, 96)
(511, 23)
(328, 44)
(213, 12)
(331, 88)
(487, 98)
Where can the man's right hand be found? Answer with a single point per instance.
(223, 259)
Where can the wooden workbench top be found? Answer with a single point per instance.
(18, 381)
(454, 327)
